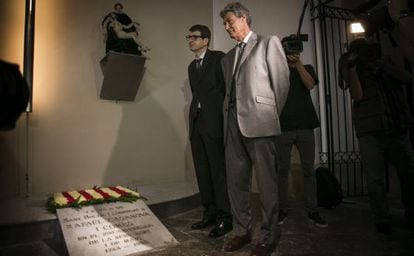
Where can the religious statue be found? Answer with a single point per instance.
(122, 34)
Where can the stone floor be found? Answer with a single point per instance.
(350, 232)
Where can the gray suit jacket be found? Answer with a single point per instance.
(262, 86)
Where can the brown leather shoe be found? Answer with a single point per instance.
(236, 243)
(262, 249)
(223, 227)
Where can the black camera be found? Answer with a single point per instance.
(364, 51)
(362, 54)
(294, 43)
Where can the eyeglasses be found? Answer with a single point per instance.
(192, 37)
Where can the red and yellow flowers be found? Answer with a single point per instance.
(79, 198)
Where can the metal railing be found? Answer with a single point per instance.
(338, 146)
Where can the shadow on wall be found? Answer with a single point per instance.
(148, 148)
(11, 172)
(188, 161)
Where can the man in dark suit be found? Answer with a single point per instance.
(206, 131)
(257, 84)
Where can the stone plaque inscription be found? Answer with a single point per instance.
(115, 229)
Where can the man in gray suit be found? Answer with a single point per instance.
(257, 84)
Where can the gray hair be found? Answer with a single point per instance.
(239, 10)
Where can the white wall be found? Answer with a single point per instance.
(73, 139)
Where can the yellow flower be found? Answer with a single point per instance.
(110, 192)
(128, 190)
(60, 199)
(94, 194)
(75, 194)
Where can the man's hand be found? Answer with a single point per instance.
(293, 58)
(295, 62)
(351, 60)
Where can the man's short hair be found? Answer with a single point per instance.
(238, 9)
(204, 31)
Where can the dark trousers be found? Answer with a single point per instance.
(208, 157)
(399, 152)
(304, 140)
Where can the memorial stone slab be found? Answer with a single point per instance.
(115, 229)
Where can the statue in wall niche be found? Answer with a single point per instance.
(124, 63)
(122, 34)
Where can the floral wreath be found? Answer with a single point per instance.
(79, 198)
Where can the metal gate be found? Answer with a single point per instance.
(338, 147)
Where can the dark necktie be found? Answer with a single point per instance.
(198, 70)
(198, 64)
(240, 49)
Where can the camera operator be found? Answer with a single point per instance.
(298, 119)
(381, 119)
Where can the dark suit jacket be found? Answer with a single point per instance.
(207, 87)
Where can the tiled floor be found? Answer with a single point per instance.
(350, 233)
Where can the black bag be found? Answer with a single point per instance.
(329, 192)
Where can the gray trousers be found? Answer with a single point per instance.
(241, 155)
(304, 140)
(375, 151)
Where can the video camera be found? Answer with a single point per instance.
(375, 20)
(294, 43)
(362, 53)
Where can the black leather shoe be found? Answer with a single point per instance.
(202, 224)
(223, 227)
(410, 224)
(384, 228)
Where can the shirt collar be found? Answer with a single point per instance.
(246, 38)
(202, 55)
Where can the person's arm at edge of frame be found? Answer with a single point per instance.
(352, 80)
(278, 71)
(220, 74)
